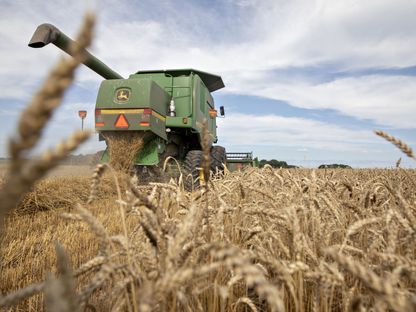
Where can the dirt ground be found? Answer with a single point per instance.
(60, 171)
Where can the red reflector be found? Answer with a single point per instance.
(99, 124)
(97, 111)
(145, 124)
(147, 111)
(212, 113)
(121, 122)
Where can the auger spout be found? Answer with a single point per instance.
(48, 33)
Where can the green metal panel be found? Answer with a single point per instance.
(212, 121)
(149, 155)
(203, 102)
(182, 96)
(178, 122)
(144, 93)
(177, 86)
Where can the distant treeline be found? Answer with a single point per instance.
(282, 164)
(275, 163)
(334, 166)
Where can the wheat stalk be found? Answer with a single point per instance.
(22, 173)
(372, 281)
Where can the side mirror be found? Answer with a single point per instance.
(222, 111)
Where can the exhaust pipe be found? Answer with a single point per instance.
(48, 33)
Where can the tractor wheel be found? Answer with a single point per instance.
(192, 164)
(218, 159)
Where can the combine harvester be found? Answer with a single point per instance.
(167, 107)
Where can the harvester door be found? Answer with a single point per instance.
(205, 109)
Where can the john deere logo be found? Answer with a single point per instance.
(122, 95)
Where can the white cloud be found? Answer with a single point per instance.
(387, 100)
(351, 34)
(296, 33)
(293, 132)
(306, 142)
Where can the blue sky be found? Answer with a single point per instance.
(306, 81)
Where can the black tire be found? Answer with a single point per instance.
(218, 159)
(192, 164)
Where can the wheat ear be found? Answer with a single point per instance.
(378, 285)
(397, 142)
(22, 174)
(95, 182)
(21, 294)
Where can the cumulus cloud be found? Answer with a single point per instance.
(294, 132)
(306, 142)
(386, 100)
(272, 34)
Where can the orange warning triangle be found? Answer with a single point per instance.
(121, 122)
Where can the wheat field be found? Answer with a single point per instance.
(254, 240)
(261, 239)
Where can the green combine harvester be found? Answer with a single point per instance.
(169, 106)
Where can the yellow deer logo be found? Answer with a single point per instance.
(123, 95)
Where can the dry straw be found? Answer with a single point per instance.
(123, 146)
